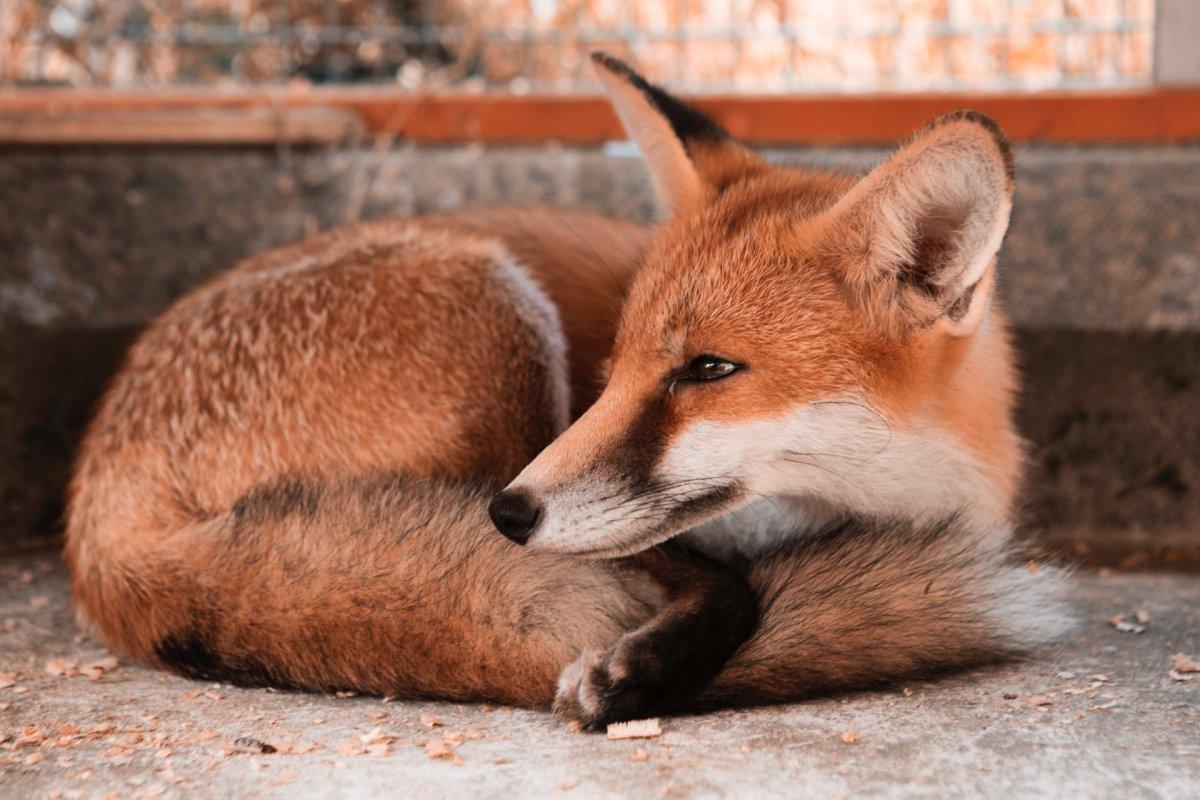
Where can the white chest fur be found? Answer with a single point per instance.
(758, 527)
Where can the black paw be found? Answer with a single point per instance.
(626, 682)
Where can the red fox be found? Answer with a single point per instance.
(805, 380)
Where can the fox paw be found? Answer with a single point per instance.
(620, 684)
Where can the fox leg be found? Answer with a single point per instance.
(863, 604)
(663, 664)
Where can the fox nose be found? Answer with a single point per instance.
(515, 515)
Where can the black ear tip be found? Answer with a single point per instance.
(611, 63)
(687, 123)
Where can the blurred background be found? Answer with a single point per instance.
(146, 144)
(759, 46)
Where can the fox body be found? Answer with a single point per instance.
(288, 481)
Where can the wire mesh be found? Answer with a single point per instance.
(759, 46)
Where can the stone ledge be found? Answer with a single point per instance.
(1101, 239)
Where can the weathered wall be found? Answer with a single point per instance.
(1101, 272)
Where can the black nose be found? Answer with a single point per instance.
(515, 515)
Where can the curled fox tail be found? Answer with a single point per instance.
(866, 603)
(384, 584)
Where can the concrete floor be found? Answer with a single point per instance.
(1097, 716)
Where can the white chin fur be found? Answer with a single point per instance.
(824, 459)
(588, 530)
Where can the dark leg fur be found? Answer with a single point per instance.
(663, 665)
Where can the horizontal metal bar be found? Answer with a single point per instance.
(1150, 115)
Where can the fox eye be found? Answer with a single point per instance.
(702, 368)
(709, 368)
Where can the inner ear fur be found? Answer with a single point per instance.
(689, 155)
(916, 239)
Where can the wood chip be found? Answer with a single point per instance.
(430, 721)
(1185, 664)
(850, 737)
(377, 736)
(61, 668)
(437, 748)
(640, 755)
(1039, 700)
(635, 729)
(1119, 622)
(94, 670)
(30, 737)
(8, 679)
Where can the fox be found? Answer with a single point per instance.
(761, 450)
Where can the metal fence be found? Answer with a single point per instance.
(761, 46)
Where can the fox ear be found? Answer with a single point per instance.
(917, 237)
(689, 155)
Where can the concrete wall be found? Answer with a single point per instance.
(1101, 273)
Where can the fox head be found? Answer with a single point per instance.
(791, 334)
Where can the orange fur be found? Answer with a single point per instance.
(314, 422)
(286, 481)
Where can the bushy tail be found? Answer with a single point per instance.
(866, 603)
(386, 585)
(399, 586)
